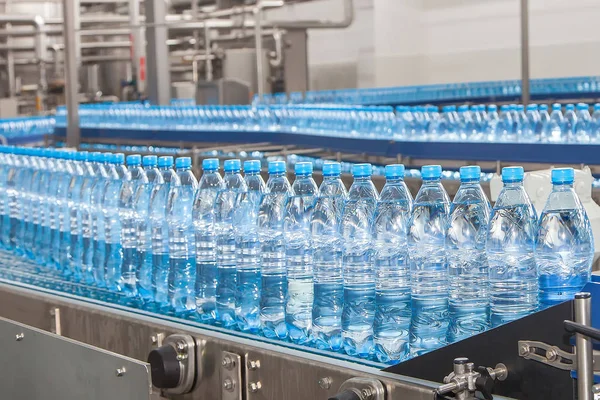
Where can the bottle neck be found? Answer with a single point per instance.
(366, 178)
(182, 169)
(210, 171)
(394, 180)
(431, 181)
(252, 173)
(513, 184)
(276, 174)
(470, 182)
(331, 177)
(562, 186)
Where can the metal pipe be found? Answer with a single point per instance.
(345, 22)
(70, 8)
(108, 58)
(56, 48)
(278, 60)
(208, 70)
(525, 91)
(583, 347)
(87, 45)
(40, 49)
(137, 48)
(10, 59)
(259, 51)
(240, 10)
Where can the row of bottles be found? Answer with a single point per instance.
(372, 275)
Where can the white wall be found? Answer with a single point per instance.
(408, 42)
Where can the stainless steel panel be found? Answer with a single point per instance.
(41, 365)
(240, 64)
(271, 370)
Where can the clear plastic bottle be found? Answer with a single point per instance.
(564, 244)
(206, 254)
(143, 195)
(492, 123)
(510, 248)
(98, 260)
(392, 283)
(61, 226)
(39, 185)
(272, 243)
(299, 253)
(25, 196)
(64, 213)
(428, 263)
(247, 243)
(504, 128)
(543, 123)
(159, 229)
(582, 130)
(595, 124)
(468, 302)
(530, 129)
(226, 203)
(73, 269)
(554, 131)
(326, 331)
(570, 122)
(357, 264)
(116, 191)
(182, 243)
(520, 123)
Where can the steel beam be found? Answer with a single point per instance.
(525, 90)
(71, 18)
(157, 53)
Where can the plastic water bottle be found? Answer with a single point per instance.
(543, 123)
(73, 269)
(159, 229)
(86, 217)
(247, 244)
(570, 121)
(564, 244)
(392, 284)
(111, 200)
(554, 131)
(144, 193)
(428, 264)
(52, 210)
(298, 253)
(60, 228)
(530, 129)
(468, 302)
(99, 235)
(328, 301)
(182, 254)
(595, 125)
(582, 130)
(67, 184)
(510, 248)
(39, 185)
(491, 123)
(206, 254)
(520, 122)
(504, 128)
(226, 203)
(272, 243)
(27, 194)
(357, 263)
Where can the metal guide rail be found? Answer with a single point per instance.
(526, 359)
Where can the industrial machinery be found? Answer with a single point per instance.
(107, 350)
(116, 56)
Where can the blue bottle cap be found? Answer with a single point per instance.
(332, 168)
(234, 165)
(492, 108)
(596, 106)
(303, 168)
(512, 107)
(543, 107)
(118, 158)
(470, 173)
(563, 175)
(570, 107)
(96, 157)
(165, 161)
(582, 106)
(512, 174)
(183, 162)
(251, 166)
(463, 108)
(532, 107)
(504, 107)
(394, 171)
(361, 170)
(431, 172)
(83, 156)
(474, 107)
(149, 161)
(134, 160)
(520, 107)
(556, 106)
(210, 164)
(276, 167)
(70, 155)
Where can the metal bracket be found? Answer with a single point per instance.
(55, 326)
(547, 354)
(231, 376)
(186, 353)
